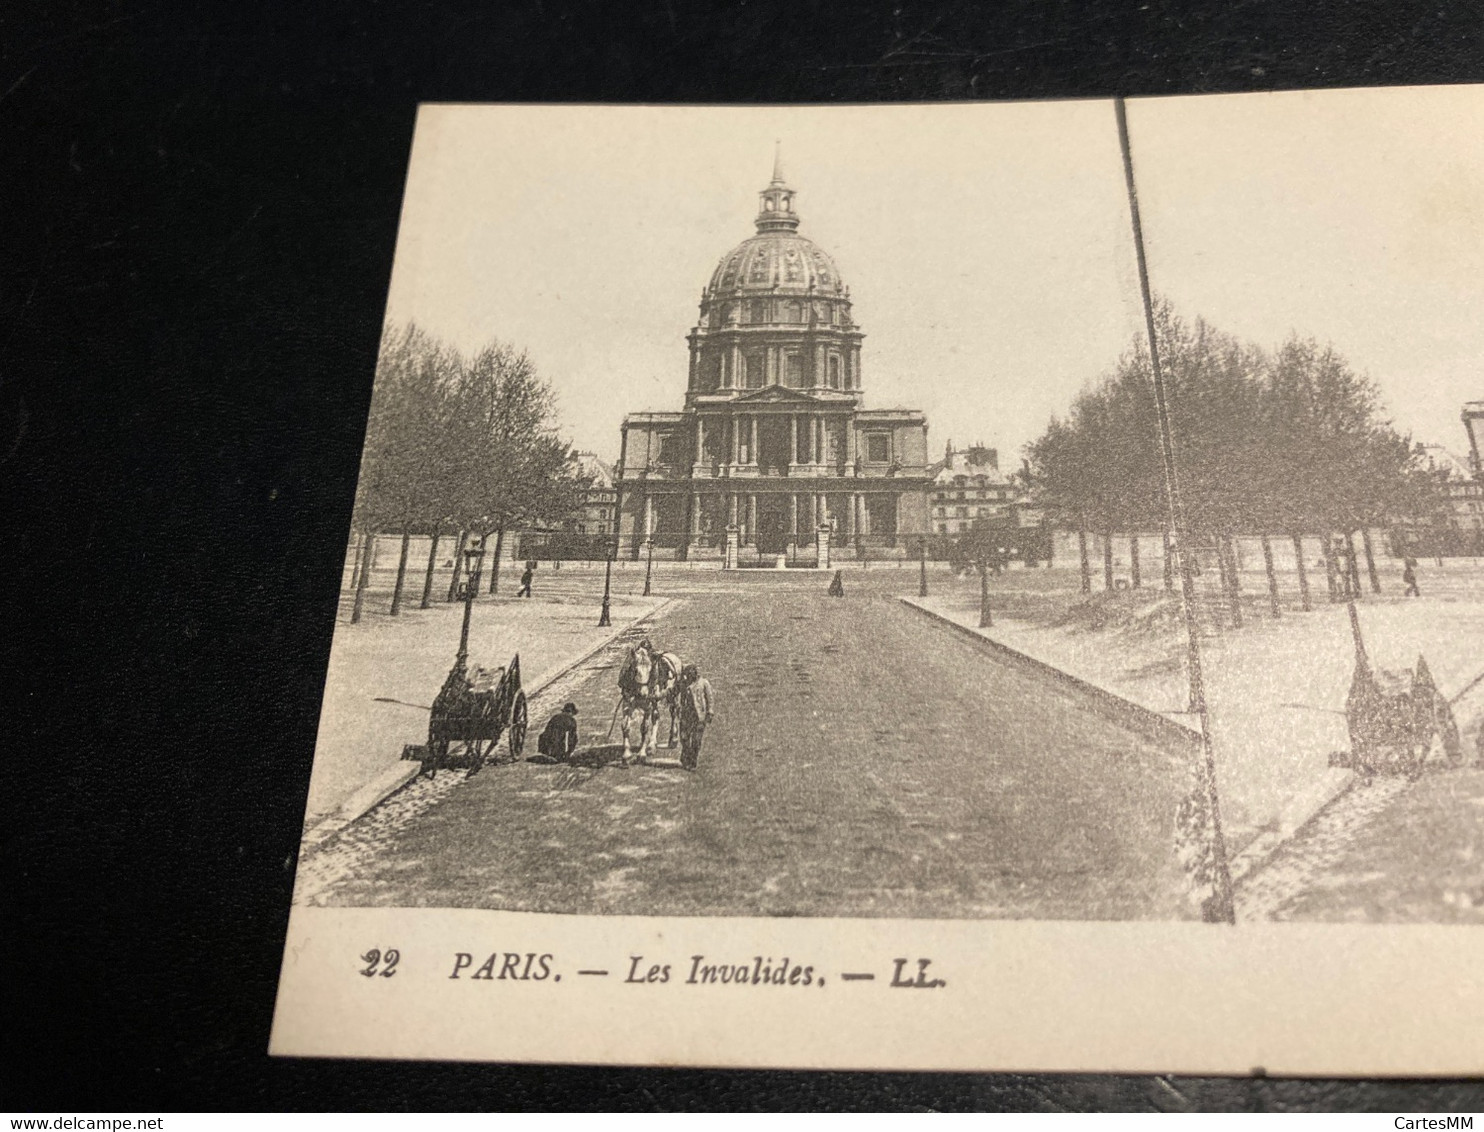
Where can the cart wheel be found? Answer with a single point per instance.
(518, 725)
(437, 756)
(477, 749)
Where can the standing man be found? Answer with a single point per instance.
(696, 704)
(525, 580)
(1409, 575)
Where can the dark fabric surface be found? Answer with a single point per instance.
(200, 204)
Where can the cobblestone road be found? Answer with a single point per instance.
(865, 762)
(1388, 850)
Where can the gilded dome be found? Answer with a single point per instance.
(775, 259)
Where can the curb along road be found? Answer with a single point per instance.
(1129, 711)
(1250, 859)
(389, 781)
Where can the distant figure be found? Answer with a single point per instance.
(1409, 575)
(696, 707)
(559, 738)
(837, 586)
(525, 580)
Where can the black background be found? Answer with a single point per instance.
(200, 204)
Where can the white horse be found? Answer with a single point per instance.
(647, 680)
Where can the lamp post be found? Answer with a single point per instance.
(649, 563)
(603, 618)
(985, 620)
(473, 557)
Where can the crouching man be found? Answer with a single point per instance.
(696, 704)
(559, 737)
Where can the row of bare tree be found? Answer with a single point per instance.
(458, 446)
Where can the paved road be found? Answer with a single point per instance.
(865, 762)
(1387, 851)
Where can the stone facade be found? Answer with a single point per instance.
(774, 439)
(968, 486)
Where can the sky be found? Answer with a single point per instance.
(987, 246)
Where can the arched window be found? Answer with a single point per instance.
(834, 371)
(758, 311)
(794, 371)
(792, 311)
(752, 364)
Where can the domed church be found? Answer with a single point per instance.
(774, 442)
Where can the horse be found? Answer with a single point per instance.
(647, 679)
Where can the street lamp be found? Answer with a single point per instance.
(649, 563)
(603, 619)
(985, 620)
(473, 557)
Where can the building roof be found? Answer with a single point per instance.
(973, 461)
(1448, 462)
(588, 464)
(777, 259)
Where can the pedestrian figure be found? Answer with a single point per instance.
(696, 706)
(559, 737)
(1409, 575)
(525, 580)
(837, 586)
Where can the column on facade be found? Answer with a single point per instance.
(850, 456)
(752, 443)
(821, 375)
(734, 439)
(700, 456)
(736, 366)
(793, 439)
(731, 508)
(648, 515)
(793, 515)
(751, 538)
(853, 516)
(695, 514)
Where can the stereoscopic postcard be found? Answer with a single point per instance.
(916, 587)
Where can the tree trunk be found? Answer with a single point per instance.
(1267, 561)
(1370, 560)
(1107, 560)
(985, 620)
(495, 564)
(428, 578)
(1352, 564)
(1133, 561)
(401, 574)
(1298, 556)
(1086, 565)
(1228, 556)
(355, 569)
(1169, 563)
(458, 566)
(368, 553)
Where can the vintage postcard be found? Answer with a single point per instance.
(916, 587)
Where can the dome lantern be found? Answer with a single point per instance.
(775, 209)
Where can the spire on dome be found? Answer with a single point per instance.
(775, 208)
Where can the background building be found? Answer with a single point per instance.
(968, 485)
(774, 439)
